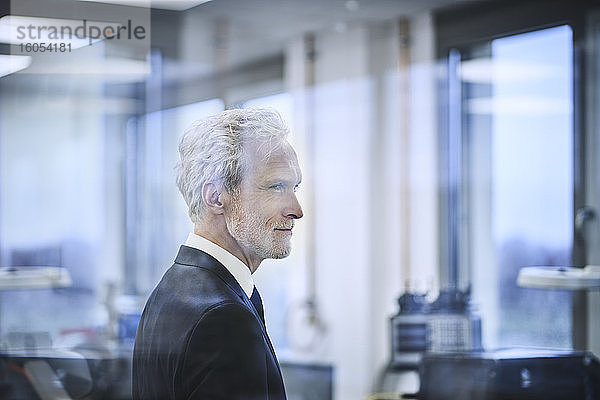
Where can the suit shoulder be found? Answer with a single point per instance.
(227, 312)
(182, 297)
(194, 286)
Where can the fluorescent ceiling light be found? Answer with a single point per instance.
(110, 69)
(177, 5)
(12, 64)
(16, 29)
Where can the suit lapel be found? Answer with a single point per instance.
(197, 258)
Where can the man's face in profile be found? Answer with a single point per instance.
(262, 216)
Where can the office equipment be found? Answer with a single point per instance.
(43, 374)
(515, 374)
(47, 374)
(447, 324)
(31, 277)
(409, 331)
(452, 324)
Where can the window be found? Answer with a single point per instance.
(519, 138)
(273, 273)
(55, 209)
(156, 214)
(517, 181)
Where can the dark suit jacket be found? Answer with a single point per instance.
(200, 337)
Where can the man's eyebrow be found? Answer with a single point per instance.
(289, 182)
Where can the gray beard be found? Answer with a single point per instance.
(251, 233)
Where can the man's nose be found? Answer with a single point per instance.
(294, 210)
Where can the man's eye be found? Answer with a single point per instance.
(277, 186)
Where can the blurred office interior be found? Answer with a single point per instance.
(445, 146)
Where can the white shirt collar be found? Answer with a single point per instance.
(234, 265)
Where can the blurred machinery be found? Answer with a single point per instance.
(453, 324)
(56, 374)
(437, 354)
(409, 342)
(34, 374)
(31, 368)
(448, 324)
(33, 277)
(515, 374)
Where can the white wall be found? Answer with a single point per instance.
(423, 153)
(350, 148)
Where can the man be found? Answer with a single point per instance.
(202, 332)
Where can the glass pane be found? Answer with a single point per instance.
(272, 273)
(156, 211)
(518, 120)
(54, 207)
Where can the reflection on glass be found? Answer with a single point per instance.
(158, 221)
(271, 275)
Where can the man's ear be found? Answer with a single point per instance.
(211, 192)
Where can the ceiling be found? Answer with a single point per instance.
(241, 32)
(208, 37)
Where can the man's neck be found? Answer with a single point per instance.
(217, 232)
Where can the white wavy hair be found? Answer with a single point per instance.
(215, 149)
